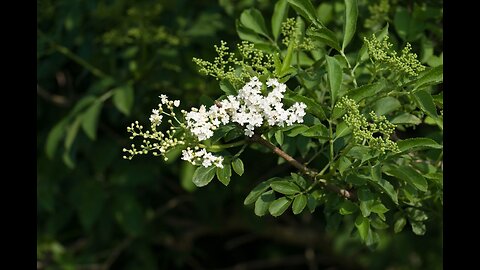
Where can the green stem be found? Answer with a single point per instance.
(349, 68)
(331, 145)
(218, 147)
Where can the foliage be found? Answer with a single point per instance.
(362, 168)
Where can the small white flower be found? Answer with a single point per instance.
(176, 103)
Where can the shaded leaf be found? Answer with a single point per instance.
(202, 176)
(90, 119)
(399, 224)
(285, 187)
(299, 204)
(305, 9)
(257, 191)
(351, 14)
(386, 105)
(335, 76)
(279, 15)
(417, 143)
(252, 19)
(123, 98)
(263, 202)
(224, 174)
(279, 206)
(363, 226)
(237, 165)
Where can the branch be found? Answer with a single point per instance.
(304, 169)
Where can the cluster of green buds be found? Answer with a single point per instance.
(292, 31)
(381, 51)
(227, 66)
(364, 132)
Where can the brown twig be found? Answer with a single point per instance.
(301, 167)
(60, 101)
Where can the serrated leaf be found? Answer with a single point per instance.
(365, 91)
(224, 174)
(305, 9)
(426, 103)
(319, 130)
(363, 226)
(202, 176)
(54, 137)
(280, 12)
(410, 176)
(123, 98)
(253, 20)
(257, 191)
(335, 76)
(351, 14)
(386, 105)
(429, 77)
(417, 143)
(263, 202)
(90, 119)
(279, 206)
(285, 187)
(237, 165)
(325, 36)
(399, 224)
(406, 118)
(299, 204)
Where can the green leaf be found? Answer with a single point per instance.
(237, 165)
(351, 14)
(299, 129)
(253, 20)
(312, 106)
(72, 131)
(263, 202)
(365, 91)
(386, 105)
(376, 172)
(347, 208)
(410, 176)
(343, 164)
(363, 226)
(257, 191)
(406, 118)
(335, 76)
(311, 203)
(248, 34)
(224, 174)
(305, 9)
(90, 119)
(429, 77)
(379, 208)
(54, 137)
(342, 130)
(227, 87)
(202, 176)
(285, 187)
(425, 102)
(418, 228)
(317, 131)
(417, 143)
(186, 175)
(299, 204)
(123, 98)
(325, 36)
(279, 206)
(399, 224)
(280, 13)
(383, 184)
(279, 137)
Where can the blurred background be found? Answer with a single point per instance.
(101, 65)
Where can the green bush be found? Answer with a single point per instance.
(366, 190)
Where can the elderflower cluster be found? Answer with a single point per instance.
(250, 109)
(363, 131)
(291, 31)
(154, 141)
(202, 157)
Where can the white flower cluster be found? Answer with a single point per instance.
(250, 108)
(156, 116)
(202, 157)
